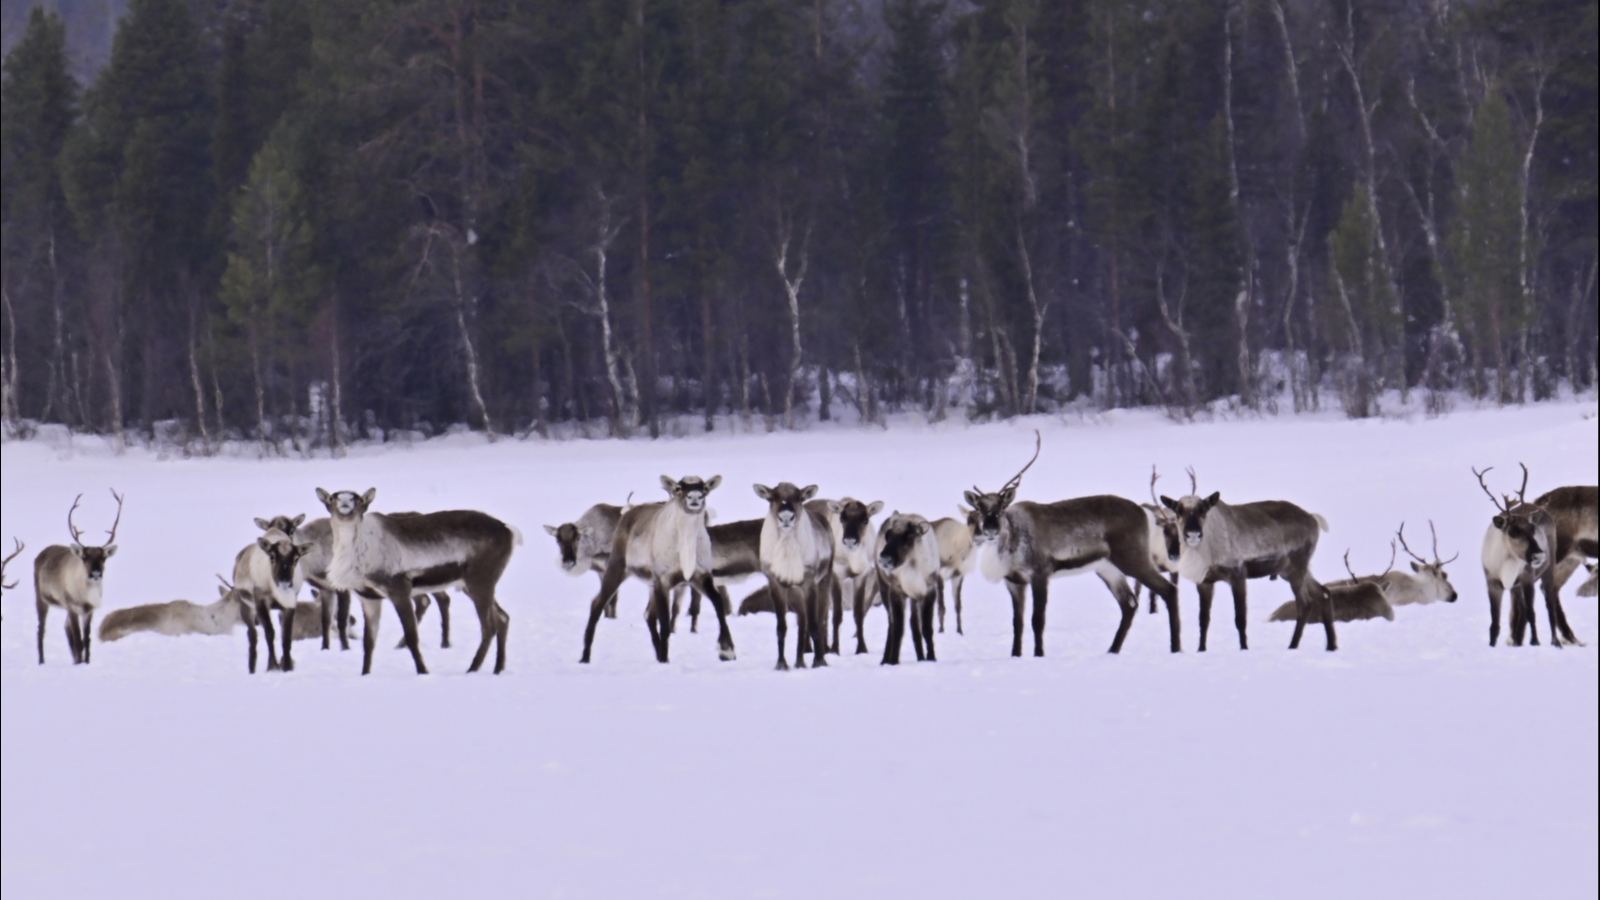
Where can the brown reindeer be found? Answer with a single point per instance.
(1519, 552)
(72, 578)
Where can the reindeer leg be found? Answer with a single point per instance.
(247, 612)
(1496, 591)
(661, 608)
(609, 582)
(1302, 611)
(1237, 585)
(286, 621)
(1206, 589)
(957, 581)
(1327, 623)
(939, 586)
(1041, 598)
(74, 637)
(1525, 600)
(694, 610)
(371, 618)
(927, 627)
(43, 609)
(894, 603)
(1127, 605)
(916, 627)
(821, 594)
(780, 607)
(836, 612)
(1019, 605)
(1552, 605)
(443, 599)
(264, 615)
(419, 603)
(342, 612)
(400, 596)
(88, 633)
(677, 604)
(858, 609)
(1152, 579)
(722, 606)
(325, 601)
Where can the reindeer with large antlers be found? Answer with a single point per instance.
(1024, 544)
(71, 578)
(1519, 551)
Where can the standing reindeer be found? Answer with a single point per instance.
(1025, 544)
(334, 605)
(1266, 539)
(1518, 552)
(908, 565)
(735, 556)
(797, 558)
(958, 557)
(266, 574)
(71, 578)
(854, 575)
(1576, 511)
(585, 544)
(665, 544)
(373, 552)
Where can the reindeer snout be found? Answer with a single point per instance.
(1192, 538)
(886, 563)
(568, 564)
(850, 543)
(1451, 598)
(786, 517)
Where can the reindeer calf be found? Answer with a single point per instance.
(908, 563)
(958, 558)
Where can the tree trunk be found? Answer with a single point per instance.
(474, 381)
(8, 378)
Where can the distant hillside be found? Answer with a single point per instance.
(90, 27)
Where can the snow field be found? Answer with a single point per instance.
(1414, 762)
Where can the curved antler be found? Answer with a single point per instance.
(76, 534)
(113, 532)
(1483, 484)
(225, 582)
(7, 561)
(1522, 492)
(1153, 478)
(1353, 575)
(1401, 534)
(1016, 480)
(1391, 560)
(1194, 483)
(1436, 560)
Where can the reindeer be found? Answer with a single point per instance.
(735, 556)
(854, 575)
(958, 557)
(1517, 554)
(797, 558)
(72, 578)
(373, 552)
(585, 544)
(334, 605)
(1372, 596)
(181, 617)
(665, 544)
(908, 566)
(266, 574)
(1576, 511)
(1266, 539)
(8, 585)
(1025, 543)
(1165, 547)
(1354, 599)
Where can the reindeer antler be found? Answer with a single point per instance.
(1016, 480)
(1485, 485)
(112, 538)
(1353, 575)
(1391, 560)
(1401, 534)
(1153, 478)
(1522, 492)
(225, 582)
(1436, 560)
(7, 561)
(76, 534)
(1194, 483)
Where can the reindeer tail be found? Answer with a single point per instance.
(516, 534)
(1321, 522)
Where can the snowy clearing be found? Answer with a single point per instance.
(1416, 761)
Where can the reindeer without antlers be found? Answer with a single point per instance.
(266, 574)
(391, 555)
(72, 579)
(334, 605)
(1519, 551)
(665, 544)
(1266, 539)
(1025, 543)
(797, 558)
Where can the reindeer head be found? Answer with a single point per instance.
(690, 491)
(283, 554)
(567, 537)
(284, 524)
(1435, 581)
(94, 558)
(898, 539)
(8, 585)
(988, 508)
(1526, 530)
(347, 506)
(854, 517)
(786, 503)
(1165, 519)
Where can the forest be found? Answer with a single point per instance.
(310, 222)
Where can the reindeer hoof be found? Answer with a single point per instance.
(288, 665)
(726, 654)
(783, 665)
(818, 663)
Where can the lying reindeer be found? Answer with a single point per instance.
(958, 557)
(72, 578)
(1518, 552)
(1266, 539)
(1427, 582)
(178, 618)
(585, 544)
(665, 544)
(1025, 544)
(908, 569)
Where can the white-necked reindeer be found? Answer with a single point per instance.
(1375, 596)
(665, 544)
(334, 605)
(1265, 539)
(735, 556)
(585, 544)
(908, 567)
(854, 574)
(797, 558)
(72, 578)
(266, 575)
(1519, 552)
(1025, 544)
(958, 558)
(391, 555)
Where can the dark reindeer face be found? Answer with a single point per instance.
(94, 559)
(347, 505)
(899, 538)
(1526, 530)
(986, 512)
(566, 535)
(1171, 538)
(1191, 514)
(786, 503)
(854, 517)
(690, 491)
(283, 554)
(284, 524)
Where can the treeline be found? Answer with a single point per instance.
(309, 221)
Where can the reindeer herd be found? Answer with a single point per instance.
(820, 557)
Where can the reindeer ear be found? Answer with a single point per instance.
(834, 506)
(712, 482)
(763, 491)
(1169, 503)
(921, 528)
(874, 508)
(1416, 567)
(322, 495)
(1214, 499)
(963, 509)
(668, 484)
(111, 550)
(1500, 522)
(263, 543)
(262, 524)
(303, 549)
(77, 550)
(299, 519)
(551, 530)
(369, 496)
(807, 492)
(970, 497)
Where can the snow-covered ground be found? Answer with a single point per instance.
(1414, 762)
